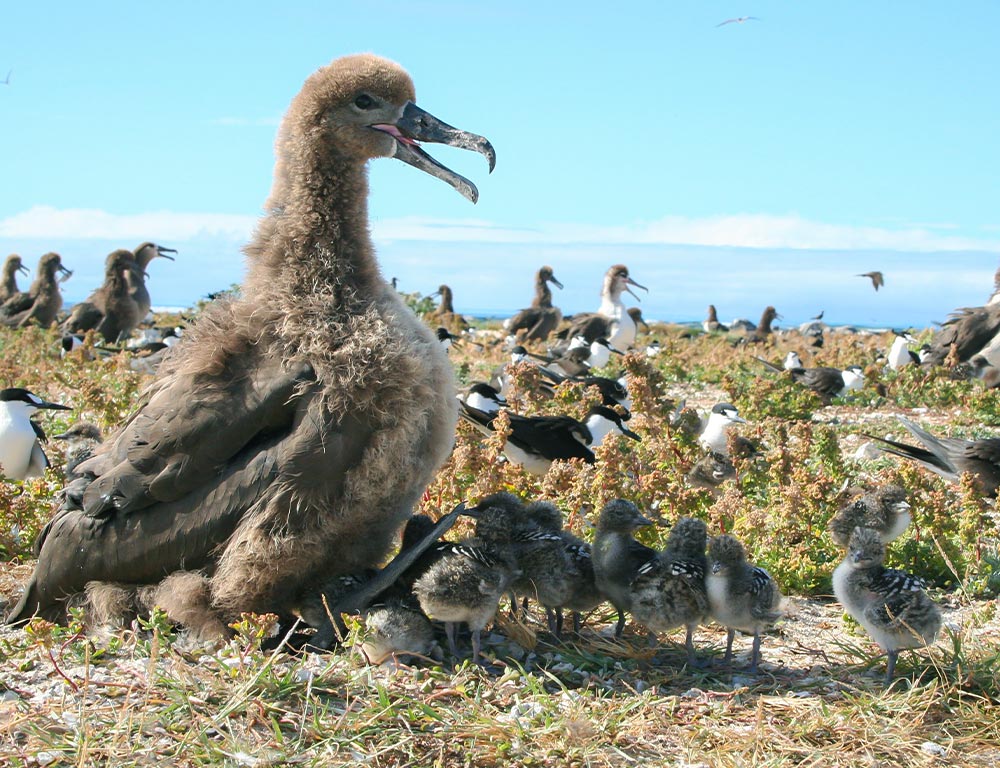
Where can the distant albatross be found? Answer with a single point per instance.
(291, 432)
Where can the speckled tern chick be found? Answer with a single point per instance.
(891, 605)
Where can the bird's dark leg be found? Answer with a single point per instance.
(890, 666)
(577, 622)
(476, 643)
(553, 622)
(620, 626)
(450, 627)
(755, 653)
(730, 636)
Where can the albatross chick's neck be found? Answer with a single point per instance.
(315, 234)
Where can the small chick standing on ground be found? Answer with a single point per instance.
(466, 583)
(884, 509)
(669, 591)
(742, 596)
(617, 556)
(891, 605)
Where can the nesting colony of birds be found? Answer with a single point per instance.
(295, 433)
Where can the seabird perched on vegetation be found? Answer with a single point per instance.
(43, 300)
(144, 253)
(825, 381)
(8, 281)
(612, 320)
(891, 605)
(715, 431)
(950, 456)
(964, 334)
(535, 442)
(899, 354)
(295, 426)
(111, 309)
(579, 360)
(742, 596)
(540, 319)
(21, 454)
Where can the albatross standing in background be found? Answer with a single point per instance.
(289, 435)
(541, 318)
(612, 321)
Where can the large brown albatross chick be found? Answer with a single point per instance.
(292, 431)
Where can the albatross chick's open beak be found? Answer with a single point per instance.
(629, 281)
(416, 125)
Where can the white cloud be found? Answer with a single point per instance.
(737, 231)
(91, 224)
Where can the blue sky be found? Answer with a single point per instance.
(750, 164)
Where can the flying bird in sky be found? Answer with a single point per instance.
(877, 280)
(738, 20)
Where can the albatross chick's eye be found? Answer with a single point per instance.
(364, 101)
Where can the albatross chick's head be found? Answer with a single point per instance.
(361, 107)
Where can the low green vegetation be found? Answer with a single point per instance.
(143, 694)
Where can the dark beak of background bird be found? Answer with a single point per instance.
(66, 274)
(53, 407)
(161, 251)
(629, 433)
(556, 283)
(629, 281)
(419, 125)
(24, 270)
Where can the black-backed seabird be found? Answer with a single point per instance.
(328, 404)
(891, 605)
(21, 454)
(825, 381)
(950, 456)
(964, 334)
(899, 354)
(535, 442)
(714, 433)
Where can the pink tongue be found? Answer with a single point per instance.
(394, 132)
